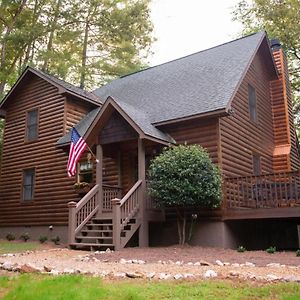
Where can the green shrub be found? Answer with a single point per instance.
(241, 249)
(271, 249)
(298, 252)
(43, 239)
(56, 240)
(184, 177)
(10, 237)
(25, 236)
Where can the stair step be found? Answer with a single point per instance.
(95, 224)
(94, 237)
(107, 221)
(96, 230)
(91, 245)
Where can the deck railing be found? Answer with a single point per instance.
(80, 213)
(109, 193)
(124, 210)
(263, 191)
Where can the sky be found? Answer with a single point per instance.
(182, 27)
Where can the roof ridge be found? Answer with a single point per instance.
(195, 53)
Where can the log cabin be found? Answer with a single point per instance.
(233, 99)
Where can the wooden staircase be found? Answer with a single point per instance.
(89, 231)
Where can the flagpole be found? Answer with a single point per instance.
(97, 160)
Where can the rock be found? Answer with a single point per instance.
(210, 274)
(135, 274)
(178, 263)
(273, 265)
(120, 275)
(95, 259)
(10, 255)
(197, 263)
(249, 264)
(150, 275)
(103, 273)
(97, 252)
(235, 265)
(291, 278)
(219, 263)
(226, 264)
(164, 276)
(47, 269)
(190, 264)
(234, 273)
(123, 261)
(68, 271)
(134, 261)
(204, 263)
(271, 277)
(141, 262)
(108, 250)
(7, 266)
(178, 276)
(28, 268)
(188, 275)
(105, 260)
(55, 272)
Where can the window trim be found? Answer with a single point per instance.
(33, 170)
(252, 118)
(27, 125)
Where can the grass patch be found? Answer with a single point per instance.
(15, 246)
(43, 287)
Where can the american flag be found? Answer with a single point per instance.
(78, 145)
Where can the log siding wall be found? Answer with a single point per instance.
(53, 189)
(240, 137)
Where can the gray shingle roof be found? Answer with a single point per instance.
(195, 84)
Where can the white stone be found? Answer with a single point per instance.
(188, 275)
(164, 276)
(150, 275)
(190, 264)
(123, 261)
(226, 264)
(178, 263)
(120, 275)
(210, 274)
(103, 273)
(141, 262)
(272, 277)
(7, 266)
(273, 265)
(134, 261)
(234, 273)
(178, 276)
(235, 265)
(54, 272)
(197, 263)
(219, 263)
(249, 264)
(108, 250)
(10, 255)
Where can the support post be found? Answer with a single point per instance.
(116, 223)
(99, 176)
(72, 222)
(144, 228)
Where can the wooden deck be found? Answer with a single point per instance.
(275, 195)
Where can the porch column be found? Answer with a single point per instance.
(144, 228)
(99, 168)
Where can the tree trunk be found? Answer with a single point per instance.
(84, 53)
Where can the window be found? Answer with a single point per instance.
(28, 184)
(252, 103)
(256, 164)
(32, 125)
(85, 172)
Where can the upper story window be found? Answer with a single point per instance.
(32, 125)
(28, 184)
(256, 160)
(252, 103)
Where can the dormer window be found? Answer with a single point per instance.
(252, 103)
(32, 125)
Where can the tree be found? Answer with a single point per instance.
(184, 177)
(280, 18)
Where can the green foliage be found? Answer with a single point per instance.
(185, 176)
(298, 252)
(56, 240)
(271, 250)
(25, 236)
(281, 20)
(87, 42)
(88, 288)
(43, 239)
(10, 237)
(241, 249)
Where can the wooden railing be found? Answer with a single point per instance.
(124, 210)
(109, 193)
(264, 191)
(80, 213)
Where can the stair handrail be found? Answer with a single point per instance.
(80, 213)
(125, 209)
